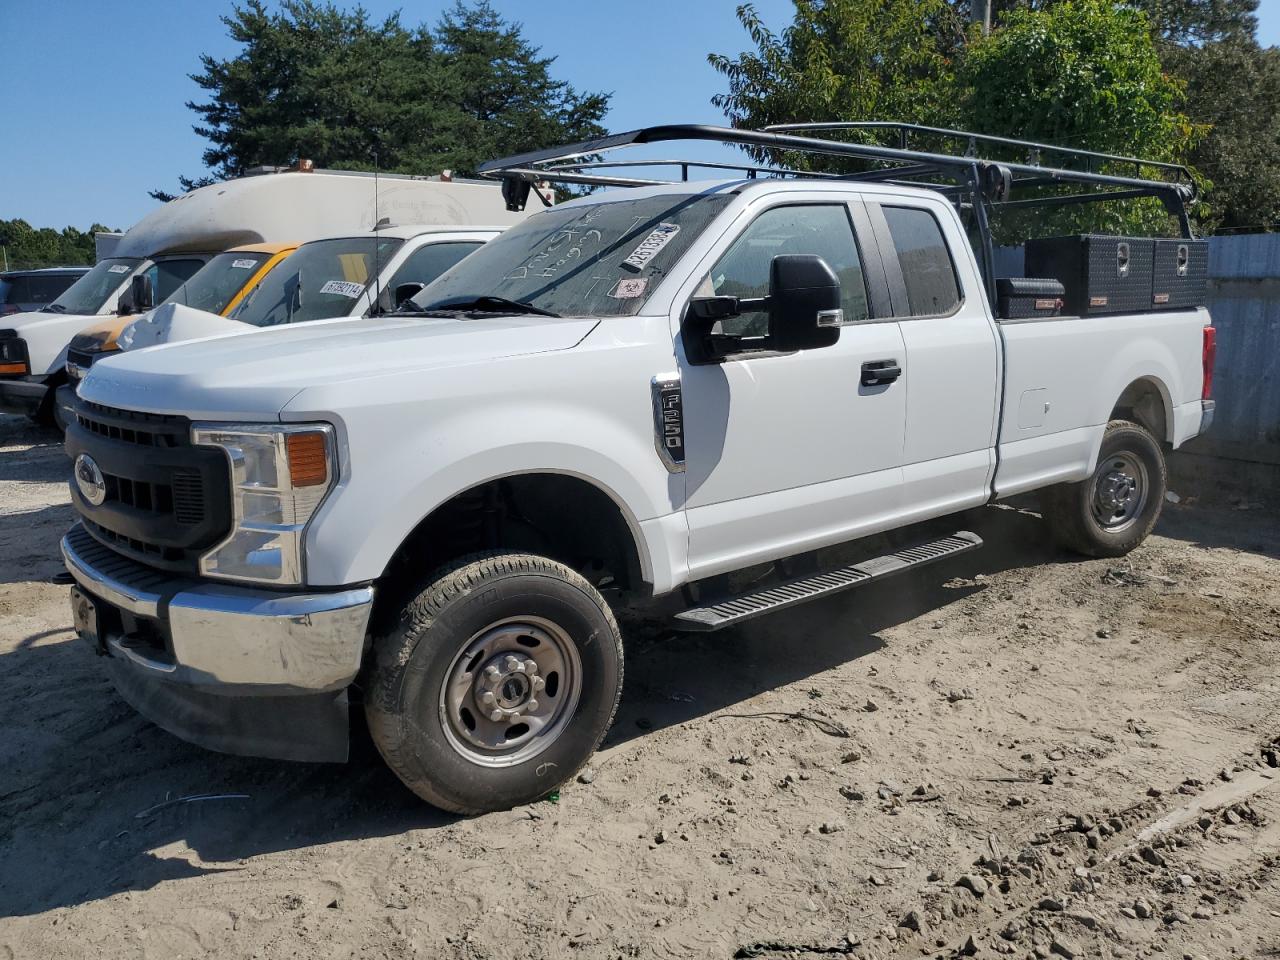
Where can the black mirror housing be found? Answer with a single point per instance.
(141, 293)
(406, 291)
(804, 303)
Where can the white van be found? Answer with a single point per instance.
(164, 249)
(357, 275)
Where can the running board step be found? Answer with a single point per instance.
(734, 610)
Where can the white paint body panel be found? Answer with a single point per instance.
(785, 452)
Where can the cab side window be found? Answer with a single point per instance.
(429, 261)
(743, 271)
(168, 275)
(927, 270)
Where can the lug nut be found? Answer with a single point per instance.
(496, 716)
(531, 705)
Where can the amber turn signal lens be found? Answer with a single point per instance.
(308, 459)
(18, 368)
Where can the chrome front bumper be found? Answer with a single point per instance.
(224, 635)
(230, 668)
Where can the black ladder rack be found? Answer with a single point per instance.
(978, 183)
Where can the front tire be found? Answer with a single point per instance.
(497, 683)
(1113, 511)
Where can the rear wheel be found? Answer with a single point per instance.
(1115, 509)
(497, 684)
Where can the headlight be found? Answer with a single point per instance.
(13, 354)
(280, 473)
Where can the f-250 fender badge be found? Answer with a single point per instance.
(668, 420)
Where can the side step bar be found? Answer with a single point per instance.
(735, 610)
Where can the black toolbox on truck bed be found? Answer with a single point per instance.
(1099, 274)
(1019, 298)
(1180, 277)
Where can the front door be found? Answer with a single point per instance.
(786, 452)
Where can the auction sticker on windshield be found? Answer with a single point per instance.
(343, 288)
(651, 246)
(118, 268)
(244, 264)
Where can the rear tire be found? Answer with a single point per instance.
(1114, 510)
(497, 683)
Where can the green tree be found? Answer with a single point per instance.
(315, 81)
(1084, 73)
(1233, 86)
(842, 60)
(1179, 22)
(27, 247)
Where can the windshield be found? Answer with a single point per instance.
(594, 260)
(320, 280)
(218, 281)
(88, 294)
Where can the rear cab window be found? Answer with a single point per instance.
(928, 272)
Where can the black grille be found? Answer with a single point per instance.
(167, 501)
(144, 429)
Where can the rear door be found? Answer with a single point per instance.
(952, 351)
(785, 452)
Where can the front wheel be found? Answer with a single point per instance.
(1115, 509)
(497, 684)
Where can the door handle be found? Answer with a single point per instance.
(877, 372)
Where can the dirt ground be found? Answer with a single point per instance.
(1017, 753)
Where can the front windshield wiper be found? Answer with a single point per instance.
(485, 304)
(53, 308)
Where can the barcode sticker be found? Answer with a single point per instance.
(343, 288)
(244, 264)
(651, 246)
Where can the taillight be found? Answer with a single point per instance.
(1210, 354)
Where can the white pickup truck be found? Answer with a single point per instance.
(616, 403)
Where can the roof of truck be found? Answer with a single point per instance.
(410, 230)
(271, 248)
(284, 207)
(44, 271)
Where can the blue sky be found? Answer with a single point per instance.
(94, 93)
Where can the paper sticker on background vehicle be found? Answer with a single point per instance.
(118, 268)
(343, 288)
(651, 246)
(244, 264)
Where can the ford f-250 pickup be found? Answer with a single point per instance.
(617, 403)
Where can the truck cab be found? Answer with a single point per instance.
(640, 400)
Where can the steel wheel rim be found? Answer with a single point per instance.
(511, 691)
(1120, 491)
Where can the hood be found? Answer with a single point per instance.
(100, 337)
(173, 323)
(256, 375)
